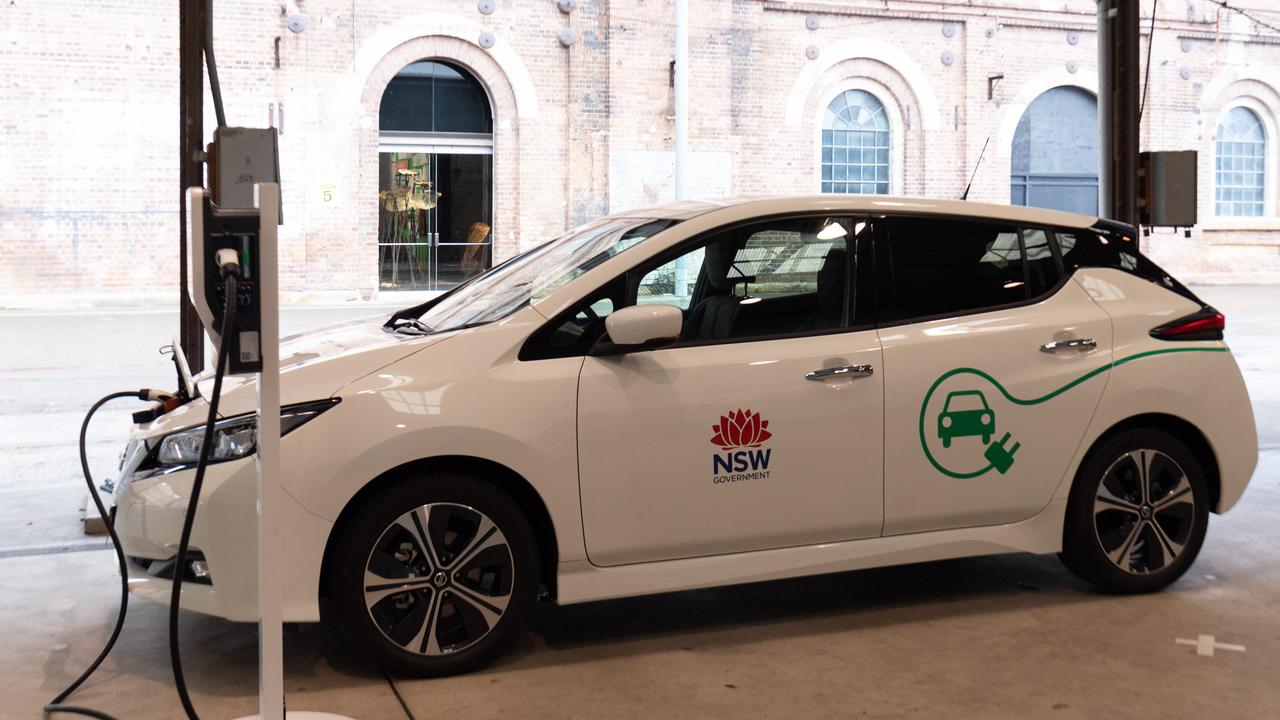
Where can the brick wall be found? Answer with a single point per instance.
(89, 128)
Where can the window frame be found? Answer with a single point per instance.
(1269, 176)
(632, 276)
(885, 284)
(897, 132)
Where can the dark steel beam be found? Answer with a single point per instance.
(191, 19)
(1119, 75)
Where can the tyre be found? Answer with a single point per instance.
(1137, 514)
(434, 575)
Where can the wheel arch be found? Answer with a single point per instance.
(508, 480)
(1184, 431)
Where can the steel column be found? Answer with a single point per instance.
(1119, 75)
(191, 20)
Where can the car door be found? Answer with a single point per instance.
(761, 428)
(994, 365)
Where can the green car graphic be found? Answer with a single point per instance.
(965, 413)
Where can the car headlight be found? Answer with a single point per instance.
(233, 438)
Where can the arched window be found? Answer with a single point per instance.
(431, 96)
(1240, 178)
(855, 145)
(1055, 152)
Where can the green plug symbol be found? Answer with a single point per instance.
(1001, 458)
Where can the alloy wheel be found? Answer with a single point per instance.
(1144, 511)
(439, 579)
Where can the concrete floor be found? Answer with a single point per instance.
(1013, 636)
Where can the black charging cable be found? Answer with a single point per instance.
(56, 705)
(230, 274)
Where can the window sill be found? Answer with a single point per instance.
(1227, 224)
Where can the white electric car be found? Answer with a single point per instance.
(703, 394)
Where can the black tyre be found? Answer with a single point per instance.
(434, 575)
(1137, 514)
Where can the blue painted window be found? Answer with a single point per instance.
(855, 145)
(1055, 153)
(1240, 169)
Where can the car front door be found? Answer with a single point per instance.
(762, 427)
(994, 365)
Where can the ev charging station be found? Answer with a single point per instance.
(250, 235)
(247, 237)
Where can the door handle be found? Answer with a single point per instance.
(1080, 344)
(850, 371)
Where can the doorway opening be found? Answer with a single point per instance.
(435, 178)
(1055, 152)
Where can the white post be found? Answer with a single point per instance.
(681, 91)
(270, 588)
(682, 97)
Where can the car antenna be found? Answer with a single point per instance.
(976, 165)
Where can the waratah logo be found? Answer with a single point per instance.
(741, 428)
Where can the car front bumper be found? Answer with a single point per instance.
(149, 514)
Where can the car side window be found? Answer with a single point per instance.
(944, 266)
(777, 277)
(671, 283)
(1042, 269)
(573, 332)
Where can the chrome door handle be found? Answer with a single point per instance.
(1080, 344)
(852, 371)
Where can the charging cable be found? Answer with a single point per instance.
(56, 705)
(229, 264)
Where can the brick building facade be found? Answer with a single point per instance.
(89, 126)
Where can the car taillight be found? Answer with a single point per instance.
(1207, 324)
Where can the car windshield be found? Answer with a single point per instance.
(535, 274)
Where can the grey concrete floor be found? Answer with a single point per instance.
(1012, 636)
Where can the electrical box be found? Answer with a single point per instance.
(251, 232)
(238, 159)
(1167, 191)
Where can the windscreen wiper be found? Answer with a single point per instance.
(407, 326)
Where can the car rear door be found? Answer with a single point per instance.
(994, 365)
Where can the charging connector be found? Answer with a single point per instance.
(228, 261)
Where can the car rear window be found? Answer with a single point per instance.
(1106, 247)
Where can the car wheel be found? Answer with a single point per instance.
(434, 575)
(986, 439)
(1137, 513)
(946, 441)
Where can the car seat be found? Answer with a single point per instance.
(832, 281)
(713, 318)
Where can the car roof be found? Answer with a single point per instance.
(742, 207)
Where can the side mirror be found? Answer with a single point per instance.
(640, 327)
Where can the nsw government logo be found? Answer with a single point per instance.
(737, 430)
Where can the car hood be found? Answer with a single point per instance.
(313, 365)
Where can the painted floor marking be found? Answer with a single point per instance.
(1205, 645)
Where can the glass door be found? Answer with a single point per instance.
(435, 218)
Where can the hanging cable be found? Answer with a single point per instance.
(230, 273)
(1245, 13)
(1146, 78)
(215, 88)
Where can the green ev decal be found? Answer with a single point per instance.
(966, 413)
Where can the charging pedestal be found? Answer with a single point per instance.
(254, 349)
